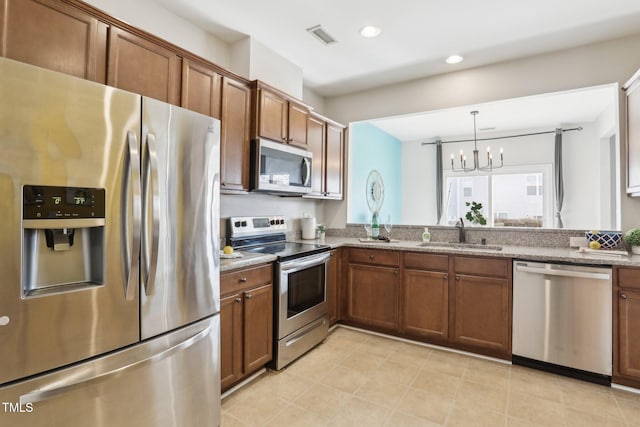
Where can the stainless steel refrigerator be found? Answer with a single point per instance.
(109, 265)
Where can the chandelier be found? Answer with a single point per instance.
(476, 155)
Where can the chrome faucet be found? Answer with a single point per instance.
(461, 232)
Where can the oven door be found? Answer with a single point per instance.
(302, 292)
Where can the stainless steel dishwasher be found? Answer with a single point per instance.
(562, 319)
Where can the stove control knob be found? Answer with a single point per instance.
(236, 224)
(272, 222)
(244, 223)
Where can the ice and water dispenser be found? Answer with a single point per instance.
(63, 239)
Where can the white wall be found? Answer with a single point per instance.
(153, 18)
(240, 57)
(275, 70)
(612, 61)
(418, 183)
(313, 99)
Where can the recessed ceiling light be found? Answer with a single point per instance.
(370, 31)
(454, 59)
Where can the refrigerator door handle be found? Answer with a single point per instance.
(131, 184)
(73, 382)
(150, 255)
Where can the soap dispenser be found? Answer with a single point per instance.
(426, 236)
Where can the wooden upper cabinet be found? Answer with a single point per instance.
(234, 135)
(273, 112)
(316, 131)
(140, 66)
(53, 35)
(632, 88)
(334, 161)
(201, 89)
(297, 129)
(281, 119)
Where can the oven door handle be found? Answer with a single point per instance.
(301, 264)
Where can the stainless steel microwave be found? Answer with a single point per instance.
(280, 168)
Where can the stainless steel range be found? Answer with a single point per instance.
(301, 319)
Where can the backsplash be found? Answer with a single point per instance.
(494, 236)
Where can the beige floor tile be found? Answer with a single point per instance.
(311, 370)
(382, 393)
(485, 396)
(229, 421)
(377, 347)
(518, 422)
(257, 409)
(461, 416)
(487, 372)
(435, 382)
(359, 412)
(345, 379)
(400, 419)
(426, 405)
(293, 416)
(630, 410)
(410, 357)
(282, 384)
(446, 363)
(536, 383)
(575, 418)
(396, 372)
(598, 401)
(535, 409)
(364, 363)
(322, 400)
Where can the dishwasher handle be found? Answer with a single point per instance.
(563, 273)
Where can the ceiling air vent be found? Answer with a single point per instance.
(321, 34)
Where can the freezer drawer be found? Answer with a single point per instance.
(172, 380)
(562, 315)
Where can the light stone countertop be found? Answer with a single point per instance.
(248, 259)
(521, 252)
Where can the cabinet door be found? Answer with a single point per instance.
(258, 327)
(633, 138)
(373, 295)
(334, 168)
(298, 120)
(482, 313)
(230, 339)
(201, 89)
(333, 281)
(316, 144)
(234, 136)
(53, 35)
(143, 67)
(629, 333)
(273, 116)
(425, 304)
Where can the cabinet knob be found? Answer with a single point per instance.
(284, 138)
(248, 296)
(238, 299)
(290, 140)
(243, 280)
(395, 272)
(457, 277)
(370, 256)
(222, 184)
(445, 277)
(623, 296)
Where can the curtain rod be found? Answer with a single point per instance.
(501, 137)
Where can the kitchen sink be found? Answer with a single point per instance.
(459, 245)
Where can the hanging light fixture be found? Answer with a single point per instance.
(476, 155)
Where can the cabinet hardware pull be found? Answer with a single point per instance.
(623, 296)
(445, 277)
(457, 277)
(248, 296)
(238, 299)
(370, 256)
(243, 280)
(395, 272)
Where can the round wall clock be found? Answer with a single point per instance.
(375, 191)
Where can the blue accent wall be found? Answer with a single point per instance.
(372, 148)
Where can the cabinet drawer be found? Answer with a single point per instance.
(481, 266)
(430, 262)
(235, 281)
(629, 278)
(375, 257)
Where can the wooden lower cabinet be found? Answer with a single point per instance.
(333, 285)
(246, 323)
(626, 306)
(425, 304)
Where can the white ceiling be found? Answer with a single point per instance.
(417, 35)
(540, 112)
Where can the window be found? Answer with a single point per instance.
(511, 197)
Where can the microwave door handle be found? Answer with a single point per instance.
(307, 167)
(131, 184)
(152, 184)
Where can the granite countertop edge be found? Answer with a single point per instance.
(545, 254)
(248, 260)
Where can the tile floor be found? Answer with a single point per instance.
(359, 379)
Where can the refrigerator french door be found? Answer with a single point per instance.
(108, 259)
